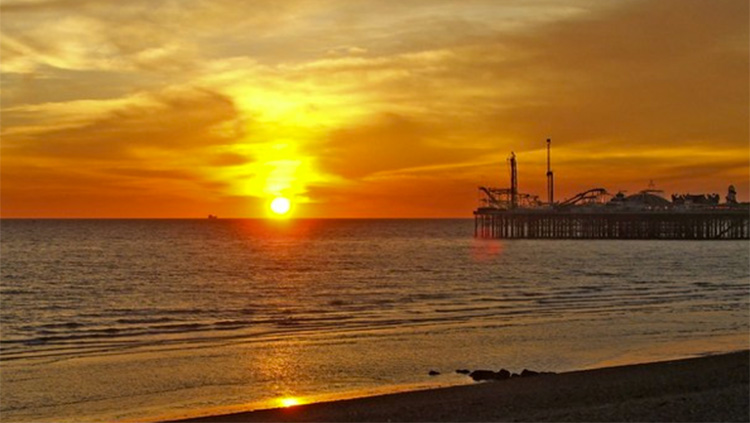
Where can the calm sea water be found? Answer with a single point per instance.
(146, 319)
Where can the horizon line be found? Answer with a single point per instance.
(239, 218)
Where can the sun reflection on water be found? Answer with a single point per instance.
(484, 250)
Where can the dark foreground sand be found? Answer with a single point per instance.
(713, 388)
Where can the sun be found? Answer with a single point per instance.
(289, 402)
(280, 206)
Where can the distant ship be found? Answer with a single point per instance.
(212, 216)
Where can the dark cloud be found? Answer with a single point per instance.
(667, 72)
(182, 121)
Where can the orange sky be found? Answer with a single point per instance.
(363, 108)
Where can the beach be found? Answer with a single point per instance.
(709, 388)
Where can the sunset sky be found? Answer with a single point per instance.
(366, 108)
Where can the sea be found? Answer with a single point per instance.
(149, 320)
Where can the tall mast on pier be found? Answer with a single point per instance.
(513, 181)
(550, 178)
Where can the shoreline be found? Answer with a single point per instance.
(708, 388)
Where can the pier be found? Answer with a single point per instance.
(506, 213)
(552, 224)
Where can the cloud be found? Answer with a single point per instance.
(377, 100)
(667, 72)
(147, 146)
(389, 142)
(176, 120)
(635, 79)
(44, 191)
(130, 36)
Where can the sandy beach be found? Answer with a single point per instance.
(711, 388)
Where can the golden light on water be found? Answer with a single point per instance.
(281, 206)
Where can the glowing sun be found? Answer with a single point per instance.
(280, 206)
(289, 401)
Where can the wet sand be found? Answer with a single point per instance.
(712, 388)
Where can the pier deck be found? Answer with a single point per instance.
(612, 224)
